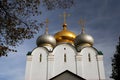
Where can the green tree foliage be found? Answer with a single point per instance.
(17, 21)
(116, 63)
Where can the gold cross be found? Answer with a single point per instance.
(82, 23)
(65, 15)
(46, 22)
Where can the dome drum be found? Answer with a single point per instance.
(65, 41)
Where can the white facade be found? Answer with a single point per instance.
(44, 63)
(65, 52)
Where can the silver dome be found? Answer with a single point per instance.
(84, 38)
(46, 39)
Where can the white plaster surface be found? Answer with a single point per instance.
(53, 63)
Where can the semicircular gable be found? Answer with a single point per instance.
(64, 57)
(39, 50)
(88, 50)
(65, 47)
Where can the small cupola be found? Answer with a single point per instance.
(46, 39)
(83, 39)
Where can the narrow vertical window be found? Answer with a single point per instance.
(40, 57)
(89, 57)
(64, 57)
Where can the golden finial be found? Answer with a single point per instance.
(46, 22)
(65, 15)
(82, 23)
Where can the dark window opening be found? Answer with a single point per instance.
(89, 57)
(64, 57)
(40, 57)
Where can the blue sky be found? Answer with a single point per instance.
(102, 22)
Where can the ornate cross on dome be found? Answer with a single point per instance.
(65, 15)
(46, 22)
(82, 23)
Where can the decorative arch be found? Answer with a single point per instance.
(39, 61)
(38, 49)
(65, 46)
(64, 58)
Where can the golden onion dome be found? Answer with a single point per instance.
(65, 36)
(84, 39)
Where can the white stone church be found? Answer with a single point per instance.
(65, 56)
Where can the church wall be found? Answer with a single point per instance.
(89, 64)
(28, 67)
(39, 64)
(50, 65)
(79, 64)
(101, 67)
(64, 59)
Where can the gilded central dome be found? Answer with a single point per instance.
(65, 36)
